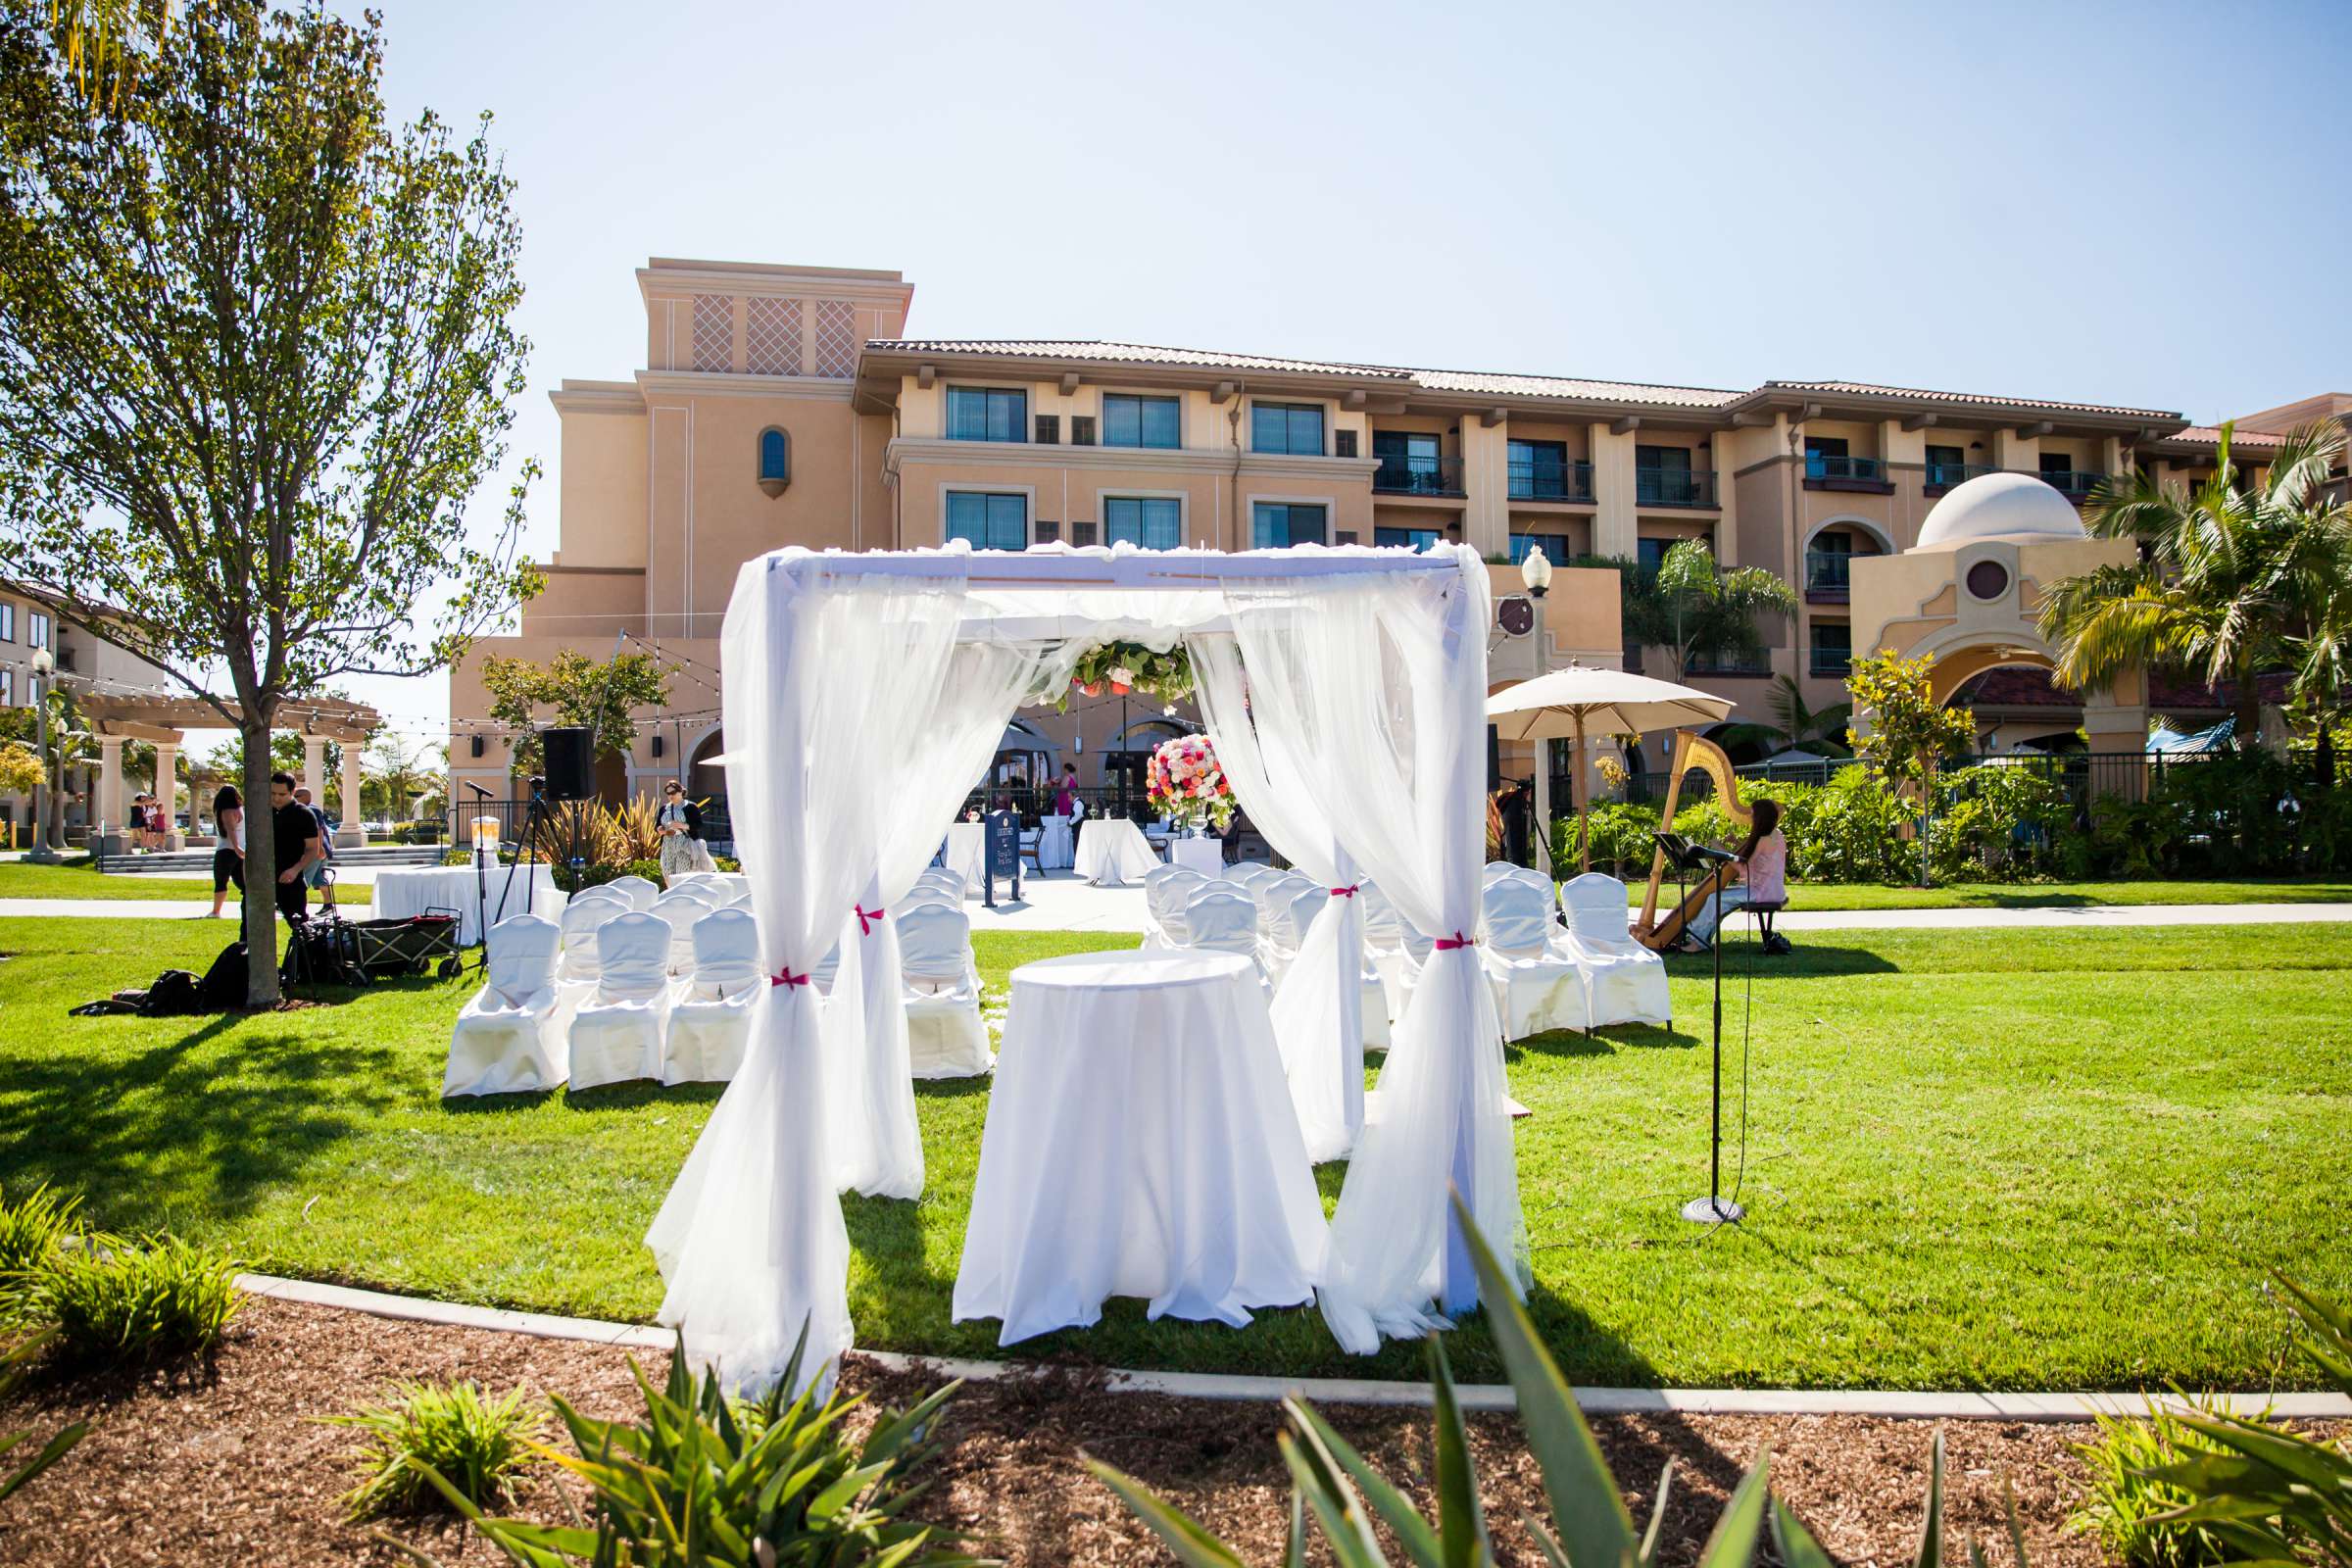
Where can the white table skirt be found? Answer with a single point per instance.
(1205, 856)
(967, 846)
(1054, 843)
(1140, 1141)
(405, 890)
(1111, 852)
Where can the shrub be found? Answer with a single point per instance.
(33, 1229)
(116, 1303)
(475, 1442)
(1619, 836)
(1852, 833)
(704, 1479)
(2127, 1508)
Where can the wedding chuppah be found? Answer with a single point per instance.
(1343, 690)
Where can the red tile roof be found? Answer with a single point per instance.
(1974, 399)
(1127, 354)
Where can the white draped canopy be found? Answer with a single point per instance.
(1343, 690)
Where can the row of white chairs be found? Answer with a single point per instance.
(1563, 957)
(1252, 910)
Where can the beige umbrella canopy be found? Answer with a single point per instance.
(1572, 702)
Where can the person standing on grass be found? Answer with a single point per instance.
(319, 876)
(229, 846)
(681, 827)
(1764, 867)
(294, 829)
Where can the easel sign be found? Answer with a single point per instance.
(1001, 855)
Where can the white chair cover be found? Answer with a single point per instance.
(602, 892)
(680, 912)
(1166, 891)
(505, 1041)
(1534, 987)
(1222, 921)
(710, 1010)
(946, 1037)
(617, 1031)
(581, 917)
(1624, 981)
(639, 891)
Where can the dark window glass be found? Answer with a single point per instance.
(1652, 551)
(36, 628)
(1832, 645)
(1153, 522)
(989, 521)
(7, 623)
(1538, 470)
(1663, 459)
(987, 414)
(1947, 465)
(1405, 538)
(1275, 525)
(1140, 422)
(1293, 430)
(1828, 446)
(1555, 546)
(2057, 463)
(775, 461)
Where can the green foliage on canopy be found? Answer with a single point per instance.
(600, 696)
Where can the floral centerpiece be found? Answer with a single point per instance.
(1188, 786)
(1123, 667)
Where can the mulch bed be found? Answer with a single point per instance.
(226, 1466)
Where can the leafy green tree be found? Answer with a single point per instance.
(2233, 581)
(394, 767)
(70, 746)
(1697, 611)
(602, 697)
(256, 352)
(1911, 735)
(1819, 730)
(19, 770)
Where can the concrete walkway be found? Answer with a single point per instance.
(1925, 1404)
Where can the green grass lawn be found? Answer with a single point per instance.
(2045, 895)
(2012, 1159)
(79, 878)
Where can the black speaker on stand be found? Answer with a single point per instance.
(571, 763)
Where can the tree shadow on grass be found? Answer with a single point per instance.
(1811, 958)
(184, 1121)
(639, 1092)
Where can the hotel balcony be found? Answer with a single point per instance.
(1418, 476)
(1674, 487)
(1826, 577)
(2076, 484)
(1542, 480)
(1941, 476)
(1826, 471)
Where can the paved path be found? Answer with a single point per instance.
(2090, 916)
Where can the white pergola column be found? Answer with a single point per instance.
(314, 768)
(106, 832)
(349, 835)
(167, 792)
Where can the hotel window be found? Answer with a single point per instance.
(1832, 648)
(7, 623)
(1291, 429)
(2057, 464)
(987, 414)
(1406, 538)
(1947, 465)
(1555, 546)
(1138, 422)
(775, 460)
(989, 521)
(1538, 470)
(1662, 476)
(8, 688)
(1150, 522)
(36, 630)
(1652, 551)
(1277, 523)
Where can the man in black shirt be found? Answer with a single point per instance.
(294, 830)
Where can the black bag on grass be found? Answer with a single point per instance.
(222, 987)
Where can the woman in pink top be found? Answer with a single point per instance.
(1764, 866)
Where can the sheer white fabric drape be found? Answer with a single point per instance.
(750, 1240)
(1319, 1008)
(932, 754)
(1376, 684)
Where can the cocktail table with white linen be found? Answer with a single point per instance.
(1112, 851)
(1054, 843)
(402, 890)
(1140, 1141)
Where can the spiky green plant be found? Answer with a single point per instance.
(475, 1441)
(2129, 1510)
(34, 1228)
(704, 1481)
(1334, 1485)
(116, 1303)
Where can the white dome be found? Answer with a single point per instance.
(1999, 505)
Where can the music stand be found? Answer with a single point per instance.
(1714, 1208)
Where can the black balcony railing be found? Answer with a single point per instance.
(1418, 476)
(1828, 571)
(1832, 662)
(1944, 476)
(1674, 487)
(1833, 468)
(1550, 479)
(2076, 484)
(1729, 664)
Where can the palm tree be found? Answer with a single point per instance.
(2230, 583)
(398, 771)
(1696, 609)
(1819, 730)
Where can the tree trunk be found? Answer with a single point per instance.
(260, 871)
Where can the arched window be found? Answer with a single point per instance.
(775, 460)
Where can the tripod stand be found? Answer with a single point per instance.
(534, 816)
(1714, 1208)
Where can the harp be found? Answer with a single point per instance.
(1690, 751)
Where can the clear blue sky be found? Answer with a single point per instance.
(2141, 204)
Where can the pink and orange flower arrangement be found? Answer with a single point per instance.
(1186, 785)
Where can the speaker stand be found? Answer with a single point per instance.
(1715, 1209)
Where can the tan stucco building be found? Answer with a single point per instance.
(786, 405)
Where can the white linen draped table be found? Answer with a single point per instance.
(407, 890)
(1055, 846)
(1112, 851)
(1140, 1141)
(1205, 856)
(967, 850)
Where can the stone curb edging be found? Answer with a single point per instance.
(1895, 1404)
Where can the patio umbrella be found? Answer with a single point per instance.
(1566, 704)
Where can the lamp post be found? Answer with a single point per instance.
(1535, 574)
(44, 665)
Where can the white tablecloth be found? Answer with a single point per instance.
(967, 854)
(1140, 1141)
(1111, 852)
(1054, 843)
(1205, 856)
(406, 890)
